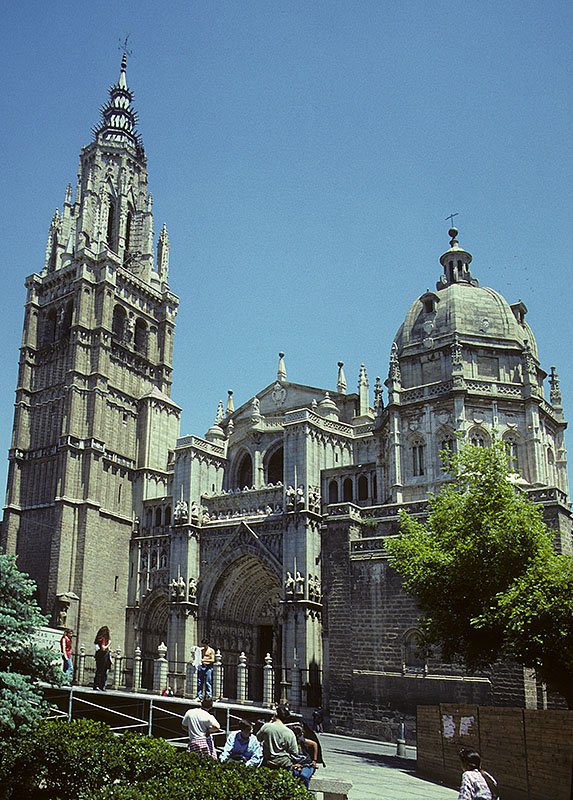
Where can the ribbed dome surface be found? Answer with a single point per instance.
(465, 309)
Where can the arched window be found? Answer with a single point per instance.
(413, 655)
(245, 472)
(512, 453)
(163, 560)
(275, 466)
(374, 487)
(127, 236)
(448, 444)
(478, 438)
(551, 478)
(418, 457)
(110, 224)
(157, 517)
(118, 324)
(168, 515)
(363, 487)
(50, 326)
(347, 490)
(140, 337)
(149, 518)
(333, 492)
(66, 324)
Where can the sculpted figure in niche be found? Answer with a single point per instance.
(300, 497)
(290, 498)
(299, 580)
(192, 589)
(289, 584)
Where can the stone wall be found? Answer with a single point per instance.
(530, 753)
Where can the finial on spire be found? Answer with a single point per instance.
(230, 404)
(555, 396)
(363, 391)
(220, 412)
(281, 371)
(341, 381)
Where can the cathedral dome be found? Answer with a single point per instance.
(460, 305)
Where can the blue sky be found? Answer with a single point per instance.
(304, 156)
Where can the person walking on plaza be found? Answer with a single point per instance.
(201, 724)
(476, 783)
(102, 658)
(66, 652)
(242, 746)
(280, 748)
(205, 671)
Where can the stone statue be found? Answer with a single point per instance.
(289, 584)
(181, 587)
(192, 590)
(300, 498)
(290, 498)
(299, 580)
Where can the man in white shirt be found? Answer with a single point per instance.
(201, 724)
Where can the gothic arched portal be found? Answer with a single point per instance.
(153, 627)
(244, 615)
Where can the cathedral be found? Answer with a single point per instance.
(266, 534)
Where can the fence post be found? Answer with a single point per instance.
(295, 682)
(137, 670)
(268, 681)
(117, 669)
(218, 676)
(242, 679)
(81, 665)
(160, 668)
(191, 679)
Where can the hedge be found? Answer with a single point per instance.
(84, 760)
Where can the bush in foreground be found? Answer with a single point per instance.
(83, 760)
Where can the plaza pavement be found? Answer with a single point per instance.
(376, 772)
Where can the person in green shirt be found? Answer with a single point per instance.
(280, 748)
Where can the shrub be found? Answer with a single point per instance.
(83, 760)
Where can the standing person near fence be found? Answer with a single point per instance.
(205, 671)
(477, 784)
(102, 658)
(66, 652)
(201, 724)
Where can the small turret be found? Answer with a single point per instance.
(163, 255)
(341, 380)
(281, 371)
(363, 391)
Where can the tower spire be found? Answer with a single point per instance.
(119, 118)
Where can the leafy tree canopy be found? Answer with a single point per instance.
(485, 574)
(22, 662)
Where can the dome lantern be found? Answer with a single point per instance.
(456, 263)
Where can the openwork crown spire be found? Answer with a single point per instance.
(119, 118)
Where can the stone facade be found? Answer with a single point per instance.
(267, 533)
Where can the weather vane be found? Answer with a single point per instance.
(450, 217)
(124, 48)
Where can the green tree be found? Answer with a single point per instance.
(23, 663)
(485, 573)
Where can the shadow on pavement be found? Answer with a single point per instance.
(405, 765)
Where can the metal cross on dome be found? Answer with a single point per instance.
(451, 218)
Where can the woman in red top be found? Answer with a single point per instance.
(66, 653)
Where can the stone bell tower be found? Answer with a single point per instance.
(93, 419)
